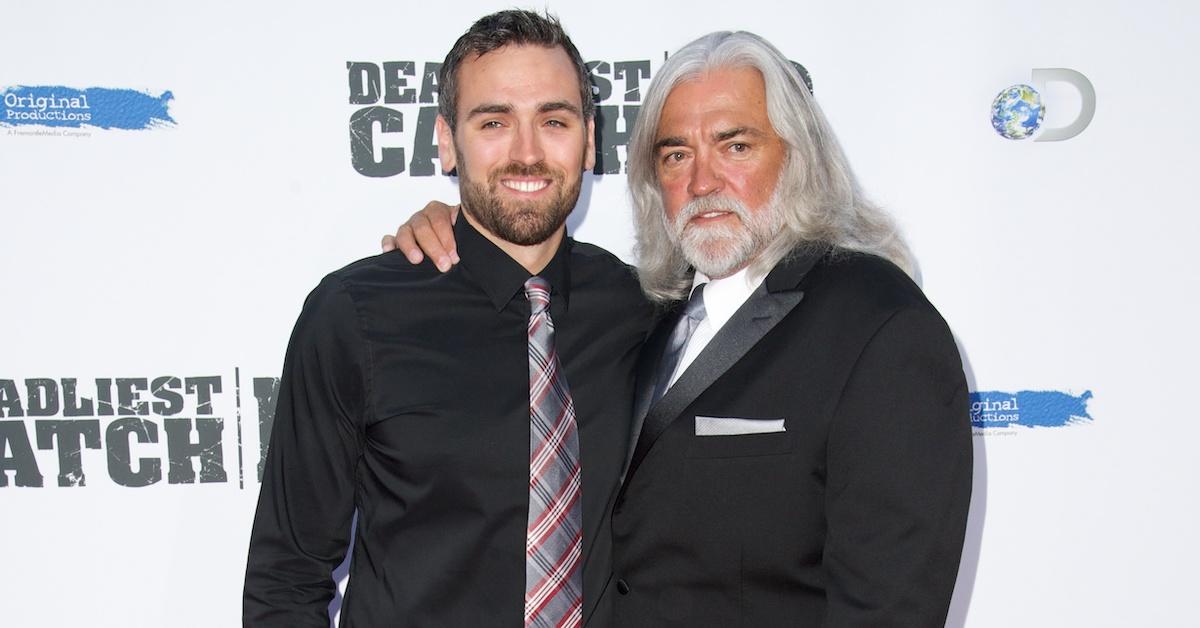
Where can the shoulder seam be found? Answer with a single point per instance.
(360, 321)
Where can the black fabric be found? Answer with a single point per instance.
(405, 398)
(854, 516)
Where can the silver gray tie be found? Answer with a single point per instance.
(693, 314)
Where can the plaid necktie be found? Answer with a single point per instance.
(554, 537)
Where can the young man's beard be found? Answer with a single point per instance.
(520, 223)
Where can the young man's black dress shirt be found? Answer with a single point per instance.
(405, 395)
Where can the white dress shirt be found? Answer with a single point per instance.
(722, 297)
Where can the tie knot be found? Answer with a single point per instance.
(537, 290)
(695, 305)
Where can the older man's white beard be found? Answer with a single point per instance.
(721, 249)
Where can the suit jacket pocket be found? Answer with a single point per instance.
(769, 440)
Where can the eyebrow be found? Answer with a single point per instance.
(549, 107)
(558, 105)
(719, 136)
(673, 140)
(490, 108)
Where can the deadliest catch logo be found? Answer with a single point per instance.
(59, 107)
(392, 126)
(132, 431)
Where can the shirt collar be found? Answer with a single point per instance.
(500, 276)
(723, 297)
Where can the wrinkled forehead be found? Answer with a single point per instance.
(721, 96)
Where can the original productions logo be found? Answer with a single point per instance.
(995, 410)
(57, 107)
(1019, 110)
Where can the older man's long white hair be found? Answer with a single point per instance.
(818, 193)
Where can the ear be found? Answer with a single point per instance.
(446, 153)
(589, 162)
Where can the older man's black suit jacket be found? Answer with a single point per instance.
(852, 516)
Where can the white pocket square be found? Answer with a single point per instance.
(733, 426)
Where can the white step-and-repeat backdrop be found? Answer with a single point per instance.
(174, 180)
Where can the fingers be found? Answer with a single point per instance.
(429, 232)
(388, 243)
(441, 220)
(428, 240)
(433, 228)
(404, 241)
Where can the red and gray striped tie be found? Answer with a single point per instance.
(554, 537)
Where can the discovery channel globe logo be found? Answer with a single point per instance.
(1017, 112)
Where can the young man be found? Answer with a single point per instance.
(476, 421)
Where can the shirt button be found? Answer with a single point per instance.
(622, 587)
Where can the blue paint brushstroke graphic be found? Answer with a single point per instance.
(1028, 408)
(100, 107)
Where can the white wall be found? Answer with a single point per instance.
(186, 249)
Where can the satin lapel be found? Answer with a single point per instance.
(757, 316)
(647, 367)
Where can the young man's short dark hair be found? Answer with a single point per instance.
(504, 28)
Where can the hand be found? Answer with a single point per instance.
(427, 232)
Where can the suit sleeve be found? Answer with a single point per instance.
(306, 502)
(899, 478)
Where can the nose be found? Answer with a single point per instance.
(526, 146)
(706, 178)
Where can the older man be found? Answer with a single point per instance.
(803, 454)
